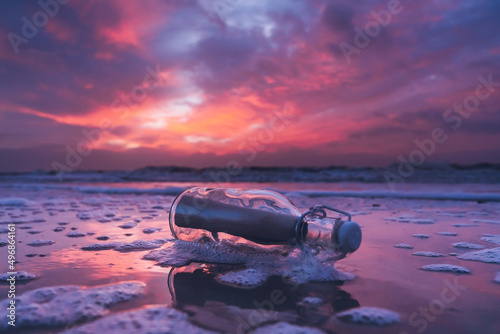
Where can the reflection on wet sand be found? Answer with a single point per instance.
(194, 288)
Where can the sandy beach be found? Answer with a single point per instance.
(413, 271)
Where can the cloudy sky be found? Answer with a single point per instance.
(125, 84)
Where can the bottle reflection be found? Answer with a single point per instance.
(196, 284)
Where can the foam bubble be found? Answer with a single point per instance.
(3, 242)
(128, 225)
(140, 245)
(467, 245)
(150, 319)
(421, 236)
(495, 222)
(312, 300)
(246, 278)
(373, 316)
(491, 255)
(15, 201)
(405, 246)
(101, 246)
(422, 221)
(428, 254)
(286, 328)
(75, 234)
(20, 276)
(136, 245)
(298, 266)
(446, 268)
(492, 238)
(448, 234)
(63, 305)
(497, 277)
(83, 215)
(464, 225)
(150, 230)
(38, 243)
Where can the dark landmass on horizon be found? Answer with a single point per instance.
(427, 173)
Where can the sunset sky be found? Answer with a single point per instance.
(126, 84)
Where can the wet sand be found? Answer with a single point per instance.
(387, 277)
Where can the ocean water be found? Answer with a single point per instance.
(104, 260)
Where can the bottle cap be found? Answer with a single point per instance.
(349, 237)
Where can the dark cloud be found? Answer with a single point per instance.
(255, 59)
(338, 18)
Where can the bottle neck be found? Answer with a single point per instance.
(321, 233)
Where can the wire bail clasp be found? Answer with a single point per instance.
(317, 211)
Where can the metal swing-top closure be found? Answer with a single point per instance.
(345, 236)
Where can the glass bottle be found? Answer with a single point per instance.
(260, 218)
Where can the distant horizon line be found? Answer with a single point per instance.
(488, 165)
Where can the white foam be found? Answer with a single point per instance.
(479, 213)
(128, 225)
(75, 234)
(464, 225)
(497, 277)
(84, 215)
(411, 219)
(64, 305)
(405, 246)
(20, 276)
(286, 328)
(494, 222)
(491, 255)
(38, 243)
(448, 234)
(467, 245)
(421, 236)
(428, 254)
(150, 230)
(4, 230)
(101, 246)
(3, 242)
(140, 245)
(136, 245)
(422, 221)
(312, 300)
(446, 268)
(373, 316)
(15, 201)
(453, 214)
(298, 266)
(149, 319)
(492, 238)
(246, 278)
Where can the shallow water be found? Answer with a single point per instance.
(386, 277)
